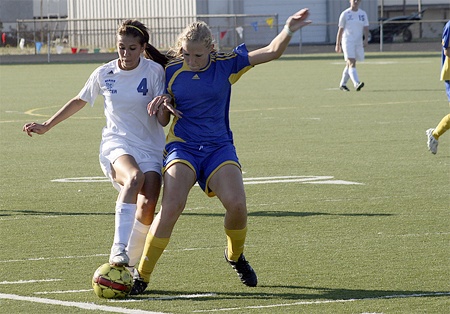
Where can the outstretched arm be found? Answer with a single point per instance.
(279, 44)
(69, 109)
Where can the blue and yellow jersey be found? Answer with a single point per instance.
(445, 70)
(203, 97)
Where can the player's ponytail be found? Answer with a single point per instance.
(155, 55)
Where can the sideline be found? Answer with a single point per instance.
(398, 296)
(80, 305)
(260, 180)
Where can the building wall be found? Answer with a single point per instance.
(12, 10)
(413, 2)
(50, 8)
(324, 14)
(85, 9)
(103, 17)
(92, 23)
(256, 29)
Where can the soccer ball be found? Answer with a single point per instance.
(112, 282)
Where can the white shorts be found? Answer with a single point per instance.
(146, 160)
(353, 50)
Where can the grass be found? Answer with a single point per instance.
(381, 246)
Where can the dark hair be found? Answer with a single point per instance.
(137, 29)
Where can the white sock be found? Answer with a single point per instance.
(137, 242)
(345, 77)
(354, 76)
(124, 220)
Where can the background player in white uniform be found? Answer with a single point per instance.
(132, 141)
(353, 24)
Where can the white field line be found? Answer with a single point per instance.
(26, 281)
(395, 296)
(50, 258)
(80, 305)
(177, 297)
(31, 259)
(261, 180)
(383, 62)
(128, 300)
(63, 291)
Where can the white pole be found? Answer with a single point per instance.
(48, 47)
(381, 25)
(419, 9)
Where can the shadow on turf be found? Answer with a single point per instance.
(298, 293)
(29, 212)
(289, 214)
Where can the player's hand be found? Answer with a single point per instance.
(34, 127)
(298, 20)
(162, 102)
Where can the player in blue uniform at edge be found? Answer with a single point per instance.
(199, 146)
(434, 134)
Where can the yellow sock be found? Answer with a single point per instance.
(443, 126)
(153, 249)
(235, 240)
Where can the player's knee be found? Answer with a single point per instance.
(148, 204)
(135, 180)
(235, 205)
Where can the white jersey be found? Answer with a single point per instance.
(126, 94)
(353, 23)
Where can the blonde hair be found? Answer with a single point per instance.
(198, 32)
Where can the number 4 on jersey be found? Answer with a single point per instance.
(142, 88)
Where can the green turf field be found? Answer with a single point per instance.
(348, 211)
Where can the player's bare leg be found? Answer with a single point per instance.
(228, 185)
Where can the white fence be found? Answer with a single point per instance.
(228, 30)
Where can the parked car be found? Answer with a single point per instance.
(390, 30)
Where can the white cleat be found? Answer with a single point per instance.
(432, 143)
(118, 256)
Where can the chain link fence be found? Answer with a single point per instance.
(57, 36)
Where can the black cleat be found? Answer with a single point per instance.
(344, 88)
(359, 86)
(139, 285)
(244, 270)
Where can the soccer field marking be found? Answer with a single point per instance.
(82, 180)
(262, 109)
(176, 297)
(32, 112)
(27, 281)
(389, 103)
(34, 259)
(80, 305)
(381, 62)
(258, 180)
(395, 296)
(64, 291)
(51, 258)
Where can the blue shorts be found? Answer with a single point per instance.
(203, 160)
